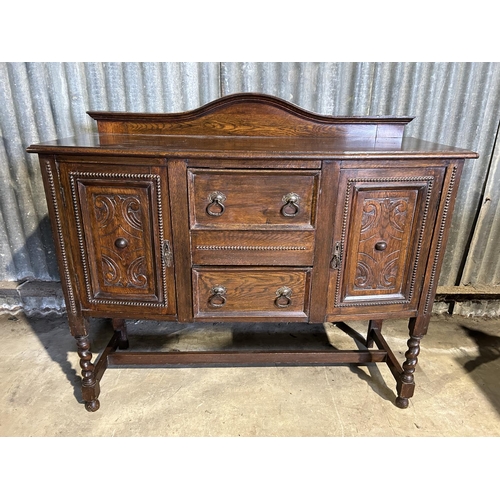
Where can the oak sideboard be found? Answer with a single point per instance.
(249, 209)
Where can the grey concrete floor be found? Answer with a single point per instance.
(457, 383)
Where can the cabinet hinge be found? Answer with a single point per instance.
(337, 256)
(167, 253)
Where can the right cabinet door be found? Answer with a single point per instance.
(383, 229)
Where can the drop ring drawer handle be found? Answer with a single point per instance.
(218, 297)
(291, 205)
(283, 297)
(216, 208)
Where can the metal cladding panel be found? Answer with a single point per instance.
(454, 103)
(482, 268)
(457, 104)
(43, 101)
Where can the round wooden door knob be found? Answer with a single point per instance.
(121, 243)
(381, 245)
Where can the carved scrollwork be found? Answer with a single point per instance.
(111, 271)
(398, 212)
(389, 273)
(119, 218)
(131, 210)
(121, 215)
(104, 209)
(123, 211)
(136, 273)
(364, 275)
(383, 221)
(369, 216)
(367, 220)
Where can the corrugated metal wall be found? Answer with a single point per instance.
(454, 103)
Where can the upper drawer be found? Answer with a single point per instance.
(237, 199)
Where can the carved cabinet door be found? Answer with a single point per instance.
(121, 227)
(383, 229)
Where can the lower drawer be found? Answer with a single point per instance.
(263, 293)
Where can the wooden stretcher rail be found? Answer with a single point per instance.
(250, 358)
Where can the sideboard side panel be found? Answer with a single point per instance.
(440, 237)
(57, 206)
(326, 203)
(178, 200)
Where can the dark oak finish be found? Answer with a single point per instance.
(251, 292)
(252, 199)
(120, 235)
(181, 241)
(249, 358)
(250, 115)
(249, 209)
(382, 236)
(247, 247)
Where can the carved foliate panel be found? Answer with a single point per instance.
(382, 238)
(122, 231)
(119, 223)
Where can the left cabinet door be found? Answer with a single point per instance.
(120, 222)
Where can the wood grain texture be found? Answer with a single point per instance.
(263, 149)
(57, 209)
(440, 236)
(181, 239)
(249, 358)
(249, 209)
(247, 248)
(119, 240)
(328, 203)
(121, 221)
(250, 291)
(249, 115)
(383, 234)
(252, 199)
(251, 164)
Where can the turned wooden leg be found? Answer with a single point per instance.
(406, 385)
(90, 385)
(373, 326)
(120, 326)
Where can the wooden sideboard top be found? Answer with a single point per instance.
(250, 126)
(246, 147)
